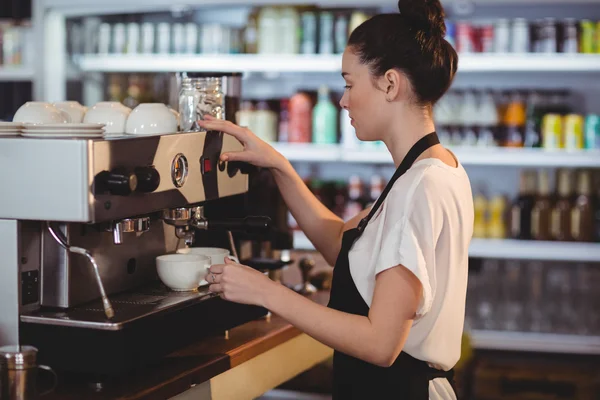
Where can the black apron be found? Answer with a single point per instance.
(407, 378)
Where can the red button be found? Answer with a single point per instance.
(207, 166)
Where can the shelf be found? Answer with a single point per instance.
(534, 250)
(16, 73)
(535, 342)
(279, 63)
(528, 63)
(511, 249)
(211, 63)
(467, 156)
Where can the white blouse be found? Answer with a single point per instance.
(424, 224)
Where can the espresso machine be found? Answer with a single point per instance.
(81, 222)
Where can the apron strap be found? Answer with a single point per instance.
(415, 151)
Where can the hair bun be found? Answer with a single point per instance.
(427, 15)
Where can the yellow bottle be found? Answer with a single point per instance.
(480, 218)
(496, 228)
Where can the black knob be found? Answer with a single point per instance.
(148, 179)
(119, 182)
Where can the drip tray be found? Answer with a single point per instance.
(147, 301)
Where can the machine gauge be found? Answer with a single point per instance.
(179, 170)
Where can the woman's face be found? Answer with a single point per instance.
(365, 103)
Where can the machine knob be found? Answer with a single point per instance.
(118, 182)
(148, 179)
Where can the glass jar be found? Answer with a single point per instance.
(188, 103)
(211, 99)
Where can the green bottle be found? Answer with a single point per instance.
(325, 116)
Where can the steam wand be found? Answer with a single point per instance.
(61, 240)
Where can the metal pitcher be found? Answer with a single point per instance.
(18, 373)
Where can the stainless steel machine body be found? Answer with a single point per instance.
(107, 196)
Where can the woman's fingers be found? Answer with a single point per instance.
(224, 126)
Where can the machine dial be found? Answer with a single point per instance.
(148, 179)
(119, 182)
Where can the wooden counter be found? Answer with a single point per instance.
(256, 357)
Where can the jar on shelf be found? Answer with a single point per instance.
(211, 99)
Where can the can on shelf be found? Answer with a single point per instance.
(486, 38)
(520, 36)
(501, 36)
(552, 129)
(451, 33)
(588, 39)
(592, 131)
(465, 38)
(548, 36)
(573, 132)
(569, 42)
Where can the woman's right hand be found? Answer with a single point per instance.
(256, 151)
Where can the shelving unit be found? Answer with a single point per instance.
(16, 73)
(511, 249)
(282, 63)
(535, 342)
(468, 156)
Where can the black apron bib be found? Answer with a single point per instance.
(407, 378)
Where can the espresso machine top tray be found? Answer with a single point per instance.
(152, 300)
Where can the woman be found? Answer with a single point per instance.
(396, 312)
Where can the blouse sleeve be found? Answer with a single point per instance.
(408, 243)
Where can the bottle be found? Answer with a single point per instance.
(496, 227)
(582, 214)
(469, 119)
(520, 223)
(540, 215)
(597, 208)
(300, 127)
(339, 200)
(251, 33)
(309, 33)
(326, 44)
(284, 120)
(355, 202)
(341, 33)
(514, 121)
(560, 223)
(266, 122)
(245, 115)
(324, 119)
(533, 122)
(487, 120)
(376, 188)
(188, 101)
(480, 224)
(268, 34)
(289, 24)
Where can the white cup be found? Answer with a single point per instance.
(110, 113)
(151, 119)
(38, 112)
(182, 272)
(217, 255)
(75, 110)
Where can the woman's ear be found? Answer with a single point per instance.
(394, 84)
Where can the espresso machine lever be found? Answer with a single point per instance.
(57, 235)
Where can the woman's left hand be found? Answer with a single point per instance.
(239, 283)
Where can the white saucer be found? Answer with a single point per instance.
(9, 133)
(59, 134)
(64, 127)
(10, 125)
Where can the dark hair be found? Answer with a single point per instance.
(413, 42)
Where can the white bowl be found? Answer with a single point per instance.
(110, 113)
(41, 113)
(150, 119)
(216, 254)
(75, 110)
(182, 272)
